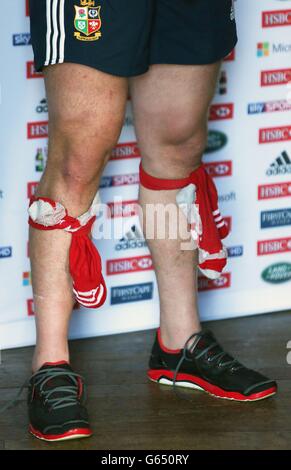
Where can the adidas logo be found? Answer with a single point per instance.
(281, 166)
(132, 239)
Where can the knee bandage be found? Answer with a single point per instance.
(84, 260)
(198, 200)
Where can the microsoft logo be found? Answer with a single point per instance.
(263, 49)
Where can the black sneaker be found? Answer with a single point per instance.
(56, 408)
(204, 365)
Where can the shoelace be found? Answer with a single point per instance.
(189, 354)
(42, 377)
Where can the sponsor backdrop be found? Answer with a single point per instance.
(248, 154)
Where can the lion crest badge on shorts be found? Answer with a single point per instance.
(87, 21)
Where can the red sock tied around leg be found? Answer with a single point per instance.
(84, 259)
(198, 200)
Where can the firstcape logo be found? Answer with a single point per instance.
(131, 293)
(277, 273)
(276, 218)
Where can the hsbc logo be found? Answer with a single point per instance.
(123, 209)
(224, 281)
(274, 134)
(37, 130)
(277, 245)
(221, 111)
(275, 18)
(125, 150)
(273, 191)
(275, 77)
(216, 169)
(31, 189)
(31, 72)
(128, 265)
(119, 180)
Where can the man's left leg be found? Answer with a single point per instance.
(170, 105)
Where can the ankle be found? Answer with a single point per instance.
(174, 341)
(39, 359)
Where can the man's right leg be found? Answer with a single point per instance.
(86, 111)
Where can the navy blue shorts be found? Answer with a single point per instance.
(124, 37)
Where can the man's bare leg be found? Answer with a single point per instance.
(170, 109)
(86, 111)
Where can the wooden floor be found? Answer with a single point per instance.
(128, 412)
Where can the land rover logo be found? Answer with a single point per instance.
(216, 141)
(277, 273)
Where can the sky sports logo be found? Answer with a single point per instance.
(235, 251)
(125, 150)
(275, 77)
(275, 18)
(5, 252)
(131, 293)
(274, 134)
(129, 265)
(274, 191)
(119, 180)
(222, 111)
(21, 39)
(223, 282)
(269, 107)
(276, 218)
(274, 246)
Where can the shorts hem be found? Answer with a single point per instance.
(207, 61)
(111, 71)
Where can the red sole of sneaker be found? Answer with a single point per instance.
(166, 377)
(78, 433)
